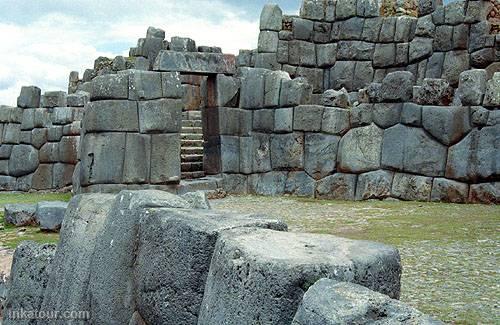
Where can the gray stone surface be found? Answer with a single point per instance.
(31, 268)
(476, 156)
(102, 162)
(23, 160)
(143, 85)
(335, 121)
(334, 98)
(273, 87)
(300, 184)
(235, 183)
(136, 165)
(171, 85)
(360, 149)
(295, 92)
(165, 158)
(412, 150)
(492, 95)
(454, 63)
(374, 185)
(252, 88)
(110, 87)
(29, 97)
(230, 154)
(329, 302)
(111, 115)
(271, 17)
(287, 151)
(447, 124)
(308, 118)
(190, 237)
(263, 120)
(50, 215)
(488, 193)
(411, 187)
(338, 186)
(275, 267)
(320, 154)
(420, 48)
(446, 190)
(160, 116)
(70, 274)
(182, 44)
(341, 75)
(272, 183)
(283, 120)
(78, 99)
(20, 214)
(53, 99)
(433, 92)
(397, 86)
(386, 114)
(227, 89)
(268, 42)
(195, 62)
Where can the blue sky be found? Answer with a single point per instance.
(43, 40)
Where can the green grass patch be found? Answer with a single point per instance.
(11, 236)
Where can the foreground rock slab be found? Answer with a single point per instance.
(330, 302)
(260, 276)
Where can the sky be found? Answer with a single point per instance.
(42, 41)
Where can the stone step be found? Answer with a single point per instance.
(195, 130)
(191, 115)
(192, 123)
(192, 175)
(191, 136)
(192, 143)
(192, 158)
(191, 166)
(191, 150)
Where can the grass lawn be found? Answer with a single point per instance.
(10, 236)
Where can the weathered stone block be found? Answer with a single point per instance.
(268, 42)
(475, 157)
(263, 120)
(171, 85)
(287, 151)
(102, 158)
(326, 55)
(361, 115)
(336, 98)
(335, 121)
(11, 133)
(271, 17)
(42, 178)
(433, 92)
(411, 187)
(227, 91)
(252, 88)
(397, 86)
(50, 215)
(302, 53)
(23, 160)
(230, 154)
(235, 183)
(341, 75)
(160, 116)
(195, 62)
(63, 174)
(330, 302)
(49, 153)
(54, 99)
(300, 184)
(295, 92)
(308, 118)
(360, 149)
(320, 154)
(29, 97)
(137, 159)
(111, 86)
(455, 62)
(338, 186)
(68, 149)
(269, 184)
(386, 115)
(411, 114)
(412, 150)
(374, 185)
(445, 190)
(78, 99)
(165, 158)
(447, 124)
(485, 193)
(111, 115)
(20, 215)
(420, 48)
(277, 264)
(283, 120)
(492, 95)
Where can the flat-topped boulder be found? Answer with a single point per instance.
(330, 302)
(50, 215)
(20, 214)
(260, 275)
(195, 62)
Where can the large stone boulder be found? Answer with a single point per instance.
(485, 193)
(338, 186)
(31, 268)
(70, 273)
(174, 252)
(20, 214)
(476, 156)
(50, 215)
(412, 150)
(411, 187)
(374, 185)
(447, 124)
(329, 302)
(260, 275)
(112, 277)
(23, 160)
(320, 154)
(287, 151)
(360, 149)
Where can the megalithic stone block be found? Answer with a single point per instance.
(111, 115)
(259, 274)
(165, 158)
(175, 248)
(54, 99)
(111, 86)
(29, 97)
(160, 116)
(195, 62)
(271, 18)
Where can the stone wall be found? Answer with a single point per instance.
(349, 44)
(398, 141)
(39, 140)
(131, 132)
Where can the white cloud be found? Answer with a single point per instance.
(45, 50)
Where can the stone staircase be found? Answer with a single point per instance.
(192, 145)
